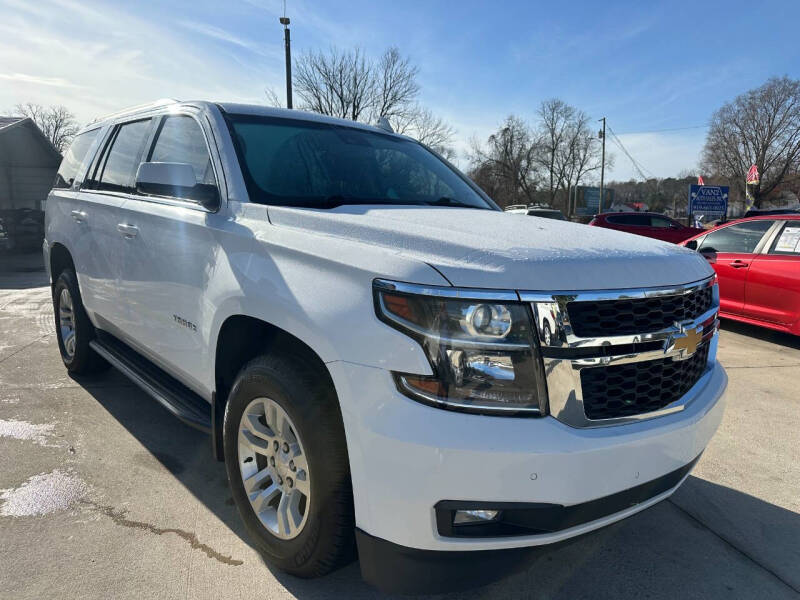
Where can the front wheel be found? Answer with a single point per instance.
(287, 465)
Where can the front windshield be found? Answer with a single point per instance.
(290, 162)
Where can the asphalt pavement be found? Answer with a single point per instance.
(104, 495)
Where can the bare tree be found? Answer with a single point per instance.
(421, 124)
(760, 127)
(349, 85)
(395, 85)
(553, 144)
(339, 83)
(506, 168)
(56, 122)
(272, 98)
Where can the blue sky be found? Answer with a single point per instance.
(646, 66)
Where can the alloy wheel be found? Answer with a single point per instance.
(274, 468)
(66, 322)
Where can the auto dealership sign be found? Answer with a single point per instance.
(708, 199)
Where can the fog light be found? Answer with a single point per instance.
(463, 517)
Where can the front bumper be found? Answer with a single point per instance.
(406, 457)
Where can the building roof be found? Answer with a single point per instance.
(5, 121)
(10, 151)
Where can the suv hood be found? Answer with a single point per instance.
(492, 249)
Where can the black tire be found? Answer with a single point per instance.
(83, 360)
(327, 541)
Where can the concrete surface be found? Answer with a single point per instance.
(104, 495)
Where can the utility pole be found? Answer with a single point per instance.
(288, 44)
(602, 135)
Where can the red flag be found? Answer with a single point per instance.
(700, 180)
(752, 174)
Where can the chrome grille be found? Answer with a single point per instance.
(637, 315)
(615, 356)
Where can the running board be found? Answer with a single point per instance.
(182, 402)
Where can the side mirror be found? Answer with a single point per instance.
(176, 180)
(692, 245)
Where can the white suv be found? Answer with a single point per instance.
(383, 358)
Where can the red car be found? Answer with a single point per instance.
(652, 225)
(757, 261)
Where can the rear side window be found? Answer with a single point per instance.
(117, 172)
(660, 222)
(629, 219)
(788, 242)
(74, 158)
(181, 141)
(742, 238)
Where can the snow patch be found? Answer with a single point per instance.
(22, 430)
(43, 494)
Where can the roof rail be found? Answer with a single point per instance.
(134, 109)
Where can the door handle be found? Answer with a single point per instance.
(78, 215)
(129, 231)
(738, 264)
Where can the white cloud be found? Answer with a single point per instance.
(99, 60)
(34, 80)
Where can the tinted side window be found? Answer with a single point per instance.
(630, 219)
(788, 242)
(660, 222)
(124, 157)
(73, 159)
(181, 141)
(742, 238)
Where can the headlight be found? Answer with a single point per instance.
(483, 352)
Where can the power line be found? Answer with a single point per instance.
(706, 126)
(640, 169)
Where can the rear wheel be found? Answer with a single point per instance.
(287, 465)
(74, 331)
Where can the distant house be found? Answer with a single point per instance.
(28, 165)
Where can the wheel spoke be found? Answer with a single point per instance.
(293, 510)
(257, 428)
(267, 495)
(301, 483)
(252, 483)
(285, 526)
(271, 416)
(253, 443)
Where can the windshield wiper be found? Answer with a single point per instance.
(448, 201)
(338, 200)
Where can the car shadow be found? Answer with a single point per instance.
(762, 333)
(675, 545)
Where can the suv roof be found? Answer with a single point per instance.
(239, 109)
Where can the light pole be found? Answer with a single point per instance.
(288, 44)
(602, 135)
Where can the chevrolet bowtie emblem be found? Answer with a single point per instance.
(684, 344)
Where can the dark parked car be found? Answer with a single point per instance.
(652, 225)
